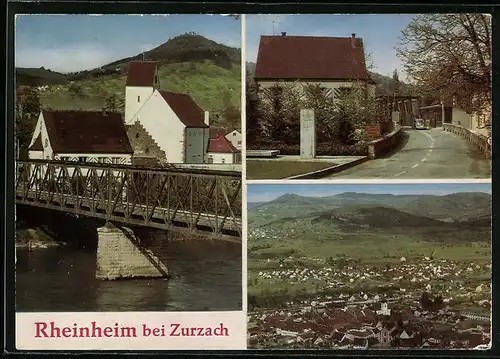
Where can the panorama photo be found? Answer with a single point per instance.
(128, 144)
(369, 266)
(368, 96)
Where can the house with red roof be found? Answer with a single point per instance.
(221, 150)
(167, 125)
(336, 63)
(82, 136)
(232, 135)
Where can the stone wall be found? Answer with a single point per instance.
(122, 254)
(384, 144)
(143, 143)
(478, 141)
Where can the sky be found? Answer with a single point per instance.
(380, 33)
(268, 192)
(68, 43)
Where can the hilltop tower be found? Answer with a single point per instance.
(142, 81)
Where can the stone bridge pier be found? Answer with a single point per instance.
(125, 253)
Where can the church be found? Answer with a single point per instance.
(158, 127)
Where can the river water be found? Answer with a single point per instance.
(204, 276)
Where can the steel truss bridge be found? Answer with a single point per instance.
(204, 202)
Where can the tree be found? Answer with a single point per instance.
(280, 113)
(253, 132)
(230, 112)
(114, 102)
(75, 89)
(320, 99)
(396, 84)
(450, 54)
(27, 111)
(426, 300)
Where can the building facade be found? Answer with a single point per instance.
(165, 124)
(81, 136)
(335, 63)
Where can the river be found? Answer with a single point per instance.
(204, 276)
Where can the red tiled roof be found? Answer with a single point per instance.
(217, 132)
(86, 132)
(37, 145)
(141, 73)
(221, 145)
(185, 108)
(307, 57)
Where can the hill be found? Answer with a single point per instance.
(187, 48)
(373, 210)
(452, 207)
(39, 77)
(208, 71)
(374, 216)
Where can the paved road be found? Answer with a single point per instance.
(429, 154)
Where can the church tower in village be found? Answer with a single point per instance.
(142, 81)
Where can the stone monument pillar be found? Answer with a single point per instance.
(307, 134)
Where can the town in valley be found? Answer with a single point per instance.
(358, 269)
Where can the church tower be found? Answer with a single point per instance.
(142, 81)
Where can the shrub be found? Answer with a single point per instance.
(322, 149)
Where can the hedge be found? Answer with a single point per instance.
(322, 149)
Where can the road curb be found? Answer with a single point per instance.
(329, 170)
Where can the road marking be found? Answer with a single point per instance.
(400, 173)
(415, 165)
(433, 141)
(423, 159)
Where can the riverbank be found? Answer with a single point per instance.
(35, 238)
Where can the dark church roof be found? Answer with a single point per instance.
(311, 58)
(141, 73)
(188, 111)
(37, 145)
(86, 132)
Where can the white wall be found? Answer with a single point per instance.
(47, 152)
(195, 145)
(161, 122)
(132, 105)
(235, 138)
(224, 157)
(461, 118)
(35, 155)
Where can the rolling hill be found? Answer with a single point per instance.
(375, 216)
(378, 211)
(452, 207)
(208, 71)
(39, 77)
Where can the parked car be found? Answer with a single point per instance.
(421, 124)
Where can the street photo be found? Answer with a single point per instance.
(128, 168)
(369, 266)
(368, 96)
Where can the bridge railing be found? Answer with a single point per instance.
(188, 196)
(480, 142)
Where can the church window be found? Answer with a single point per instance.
(138, 98)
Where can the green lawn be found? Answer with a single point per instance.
(265, 169)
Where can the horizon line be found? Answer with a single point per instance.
(368, 193)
